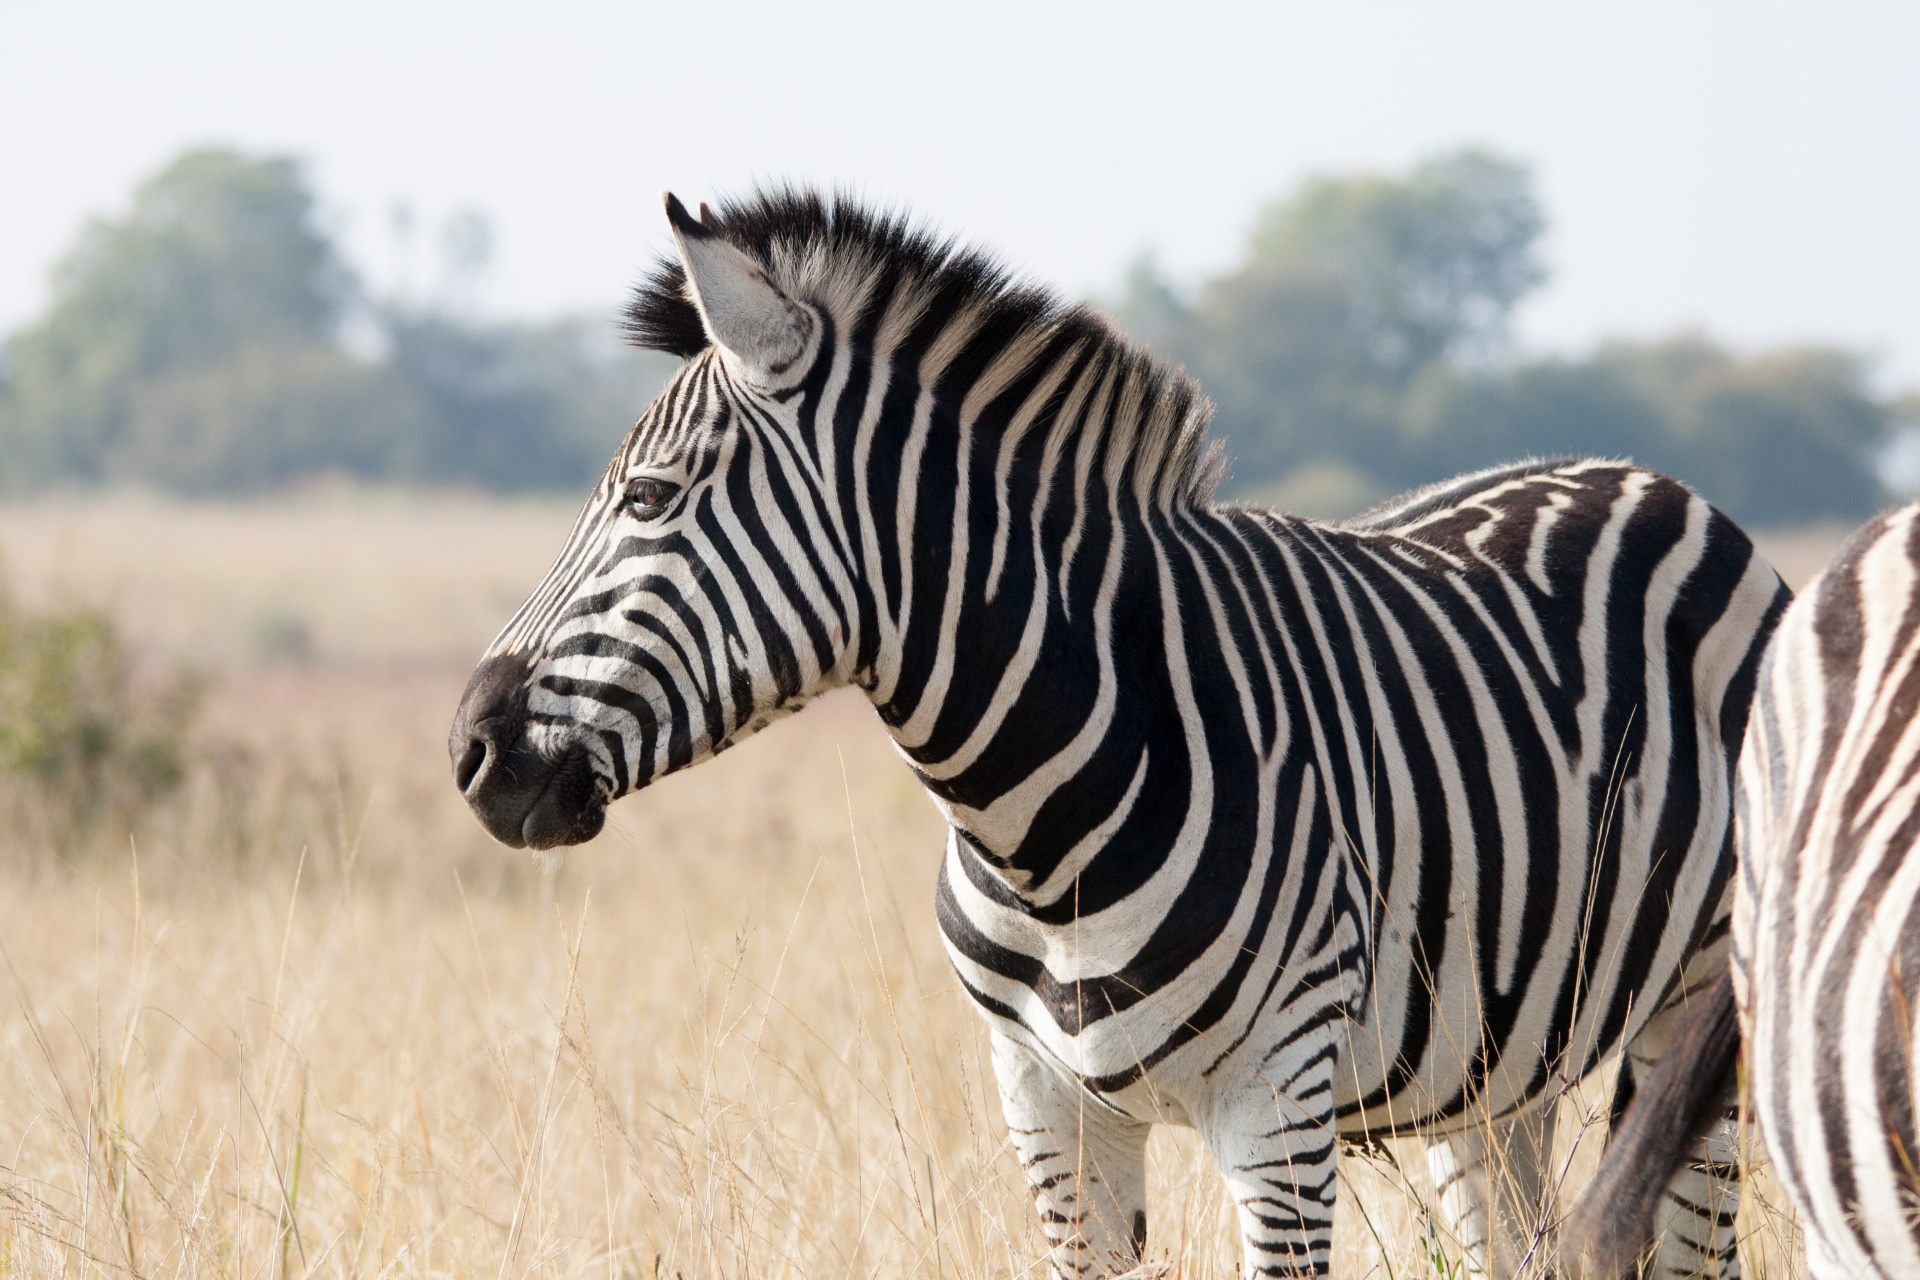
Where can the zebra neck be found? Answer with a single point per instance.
(1033, 673)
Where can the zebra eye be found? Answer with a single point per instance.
(646, 495)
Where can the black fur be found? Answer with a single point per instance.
(660, 317)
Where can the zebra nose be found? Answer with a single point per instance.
(467, 767)
(491, 709)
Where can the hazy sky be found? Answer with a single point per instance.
(1749, 167)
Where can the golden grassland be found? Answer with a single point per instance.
(310, 1021)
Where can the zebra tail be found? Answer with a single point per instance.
(1612, 1226)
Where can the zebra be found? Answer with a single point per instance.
(1297, 833)
(1825, 930)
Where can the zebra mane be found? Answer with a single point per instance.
(863, 265)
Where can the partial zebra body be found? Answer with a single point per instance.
(1827, 911)
(1292, 832)
(1465, 766)
(1463, 827)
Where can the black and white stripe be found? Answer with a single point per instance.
(1827, 912)
(1293, 832)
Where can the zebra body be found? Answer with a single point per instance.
(1827, 909)
(1292, 832)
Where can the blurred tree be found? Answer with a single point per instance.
(1432, 263)
(1362, 347)
(1283, 349)
(195, 344)
(1353, 288)
(269, 415)
(1899, 458)
(1777, 438)
(516, 406)
(1149, 308)
(1455, 422)
(218, 254)
(466, 250)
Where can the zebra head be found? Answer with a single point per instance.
(704, 590)
(886, 463)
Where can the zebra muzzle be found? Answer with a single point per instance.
(524, 797)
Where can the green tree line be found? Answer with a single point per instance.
(197, 343)
(1362, 347)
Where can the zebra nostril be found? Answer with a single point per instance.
(468, 766)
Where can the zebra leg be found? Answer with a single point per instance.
(1694, 1230)
(1273, 1138)
(1084, 1161)
(1487, 1184)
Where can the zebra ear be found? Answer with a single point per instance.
(743, 311)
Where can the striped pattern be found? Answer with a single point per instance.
(1827, 914)
(1289, 831)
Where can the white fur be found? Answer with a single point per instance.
(744, 313)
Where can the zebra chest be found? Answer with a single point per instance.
(1155, 957)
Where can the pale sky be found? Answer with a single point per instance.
(1751, 168)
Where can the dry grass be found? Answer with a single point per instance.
(320, 1025)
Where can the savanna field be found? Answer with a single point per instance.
(308, 1020)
